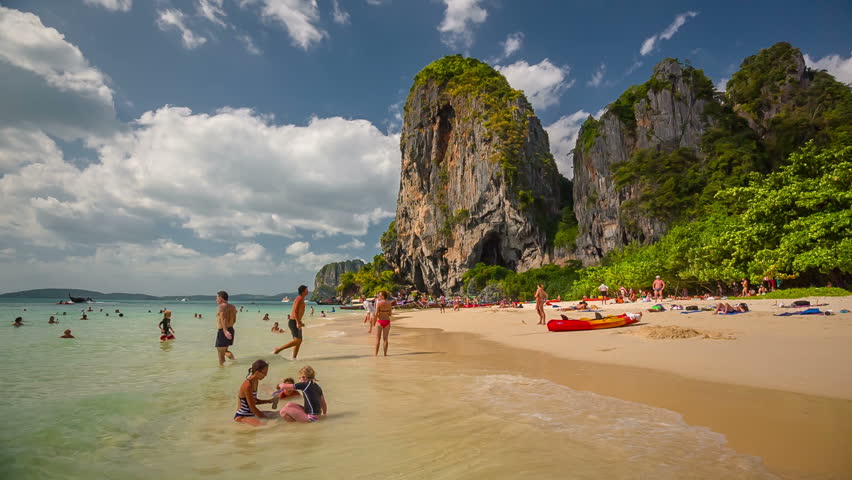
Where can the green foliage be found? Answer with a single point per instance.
(369, 280)
(389, 237)
(476, 80)
(589, 133)
(802, 293)
(567, 230)
(818, 108)
(458, 217)
(557, 280)
(669, 184)
(792, 223)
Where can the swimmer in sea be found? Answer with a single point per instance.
(266, 317)
(314, 399)
(276, 328)
(67, 334)
(52, 320)
(84, 317)
(383, 320)
(247, 411)
(19, 322)
(166, 330)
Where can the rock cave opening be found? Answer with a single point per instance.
(491, 251)
(446, 116)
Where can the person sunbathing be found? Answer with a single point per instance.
(725, 308)
(580, 306)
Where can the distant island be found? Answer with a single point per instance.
(62, 293)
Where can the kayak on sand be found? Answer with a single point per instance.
(568, 325)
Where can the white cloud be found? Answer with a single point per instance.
(301, 258)
(597, 77)
(354, 243)
(249, 44)
(512, 44)
(651, 42)
(721, 85)
(633, 67)
(563, 137)
(174, 19)
(240, 176)
(212, 10)
(20, 147)
(114, 5)
(47, 82)
(378, 2)
(297, 248)
(340, 16)
(839, 67)
(299, 18)
(459, 18)
(542, 83)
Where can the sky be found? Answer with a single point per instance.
(187, 146)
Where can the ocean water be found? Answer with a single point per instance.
(117, 403)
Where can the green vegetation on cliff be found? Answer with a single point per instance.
(369, 280)
(470, 78)
(794, 223)
(791, 104)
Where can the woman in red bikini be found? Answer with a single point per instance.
(383, 320)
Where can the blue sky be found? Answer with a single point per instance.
(184, 146)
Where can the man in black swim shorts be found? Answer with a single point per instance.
(226, 317)
(295, 323)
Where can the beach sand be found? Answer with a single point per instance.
(777, 387)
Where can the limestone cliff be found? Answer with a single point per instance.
(663, 115)
(328, 278)
(478, 182)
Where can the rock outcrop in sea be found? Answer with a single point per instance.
(478, 182)
(328, 278)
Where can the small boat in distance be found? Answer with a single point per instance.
(184, 300)
(285, 299)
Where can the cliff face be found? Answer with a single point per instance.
(662, 115)
(328, 278)
(478, 182)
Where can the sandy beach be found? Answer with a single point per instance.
(777, 387)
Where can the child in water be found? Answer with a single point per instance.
(279, 394)
(314, 399)
(247, 411)
(67, 334)
(276, 328)
(165, 325)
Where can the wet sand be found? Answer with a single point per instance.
(796, 415)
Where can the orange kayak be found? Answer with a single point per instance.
(569, 325)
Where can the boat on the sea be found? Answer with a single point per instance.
(285, 299)
(184, 300)
(566, 324)
(352, 307)
(79, 299)
(327, 301)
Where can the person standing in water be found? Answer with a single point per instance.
(540, 298)
(226, 317)
(166, 330)
(295, 323)
(384, 308)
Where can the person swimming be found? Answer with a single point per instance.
(19, 322)
(315, 404)
(67, 334)
(276, 328)
(265, 317)
(52, 320)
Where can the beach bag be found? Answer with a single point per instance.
(801, 303)
(692, 307)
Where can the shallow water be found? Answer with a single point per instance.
(117, 403)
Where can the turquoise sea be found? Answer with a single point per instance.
(116, 403)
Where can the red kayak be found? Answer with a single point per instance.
(569, 325)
